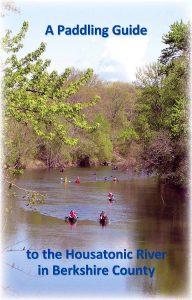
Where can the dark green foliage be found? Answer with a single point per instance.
(177, 40)
(162, 108)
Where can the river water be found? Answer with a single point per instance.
(138, 220)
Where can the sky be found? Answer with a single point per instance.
(115, 58)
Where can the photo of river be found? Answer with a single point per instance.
(139, 219)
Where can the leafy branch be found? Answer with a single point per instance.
(32, 197)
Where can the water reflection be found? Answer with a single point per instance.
(138, 219)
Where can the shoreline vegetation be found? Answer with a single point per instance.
(72, 119)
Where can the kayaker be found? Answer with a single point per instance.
(102, 215)
(110, 197)
(73, 214)
(115, 179)
(77, 180)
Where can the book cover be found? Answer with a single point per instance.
(95, 143)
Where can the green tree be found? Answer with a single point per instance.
(150, 107)
(177, 40)
(39, 100)
(103, 140)
(175, 64)
(162, 106)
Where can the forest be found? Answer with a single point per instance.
(54, 120)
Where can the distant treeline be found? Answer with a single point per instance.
(75, 118)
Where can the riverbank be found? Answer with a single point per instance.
(121, 165)
(85, 162)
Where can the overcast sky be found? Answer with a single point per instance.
(112, 58)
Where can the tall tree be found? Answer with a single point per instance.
(174, 61)
(162, 108)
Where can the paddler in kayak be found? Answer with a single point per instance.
(111, 197)
(115, 179)
(102, 215)
(65, 180)
(72, 216)
(103, 218)
(77, 180)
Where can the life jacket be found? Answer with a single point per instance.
(73, 214)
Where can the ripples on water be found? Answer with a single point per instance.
(88, 198)
(138, 219)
